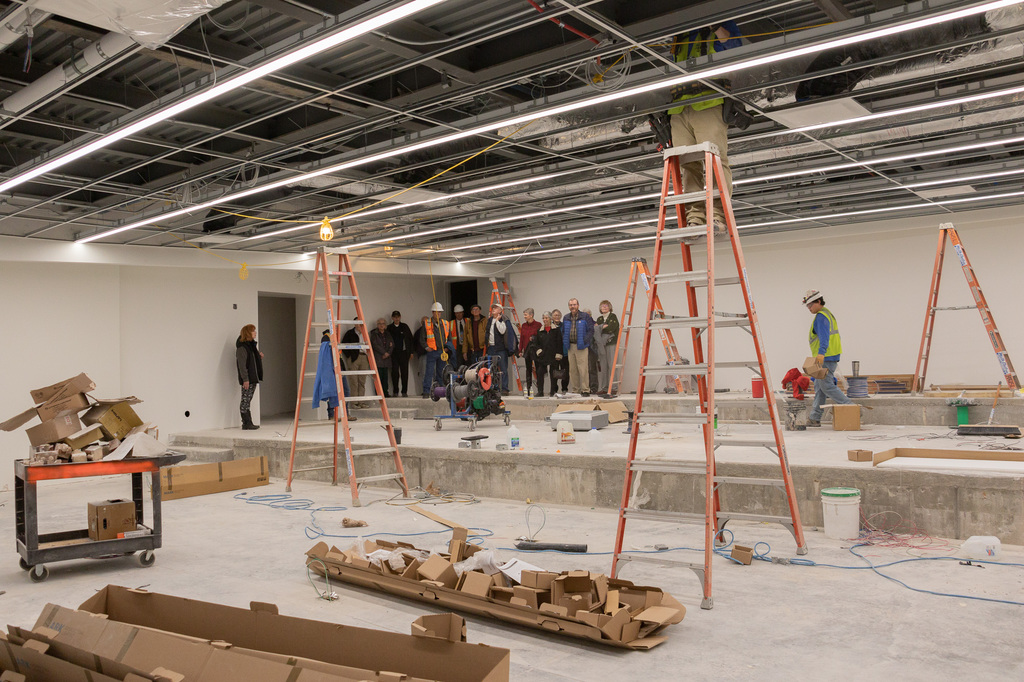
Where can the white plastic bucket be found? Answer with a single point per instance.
(841, 509)
(981, 547)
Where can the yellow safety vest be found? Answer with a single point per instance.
(691, 50)
(445, 329)
(835, 345)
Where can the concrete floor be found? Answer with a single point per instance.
(770, 621)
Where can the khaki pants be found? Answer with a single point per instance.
(359, 381)
(691, 127)
(579, 369)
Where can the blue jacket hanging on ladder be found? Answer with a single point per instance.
(324, 386)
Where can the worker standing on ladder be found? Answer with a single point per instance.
(703, 121)
(439, 340)
(826, 347)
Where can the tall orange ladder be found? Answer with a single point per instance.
(331, 284)
(703, 329)
(639, 273)
(947, 229)
(504, 299)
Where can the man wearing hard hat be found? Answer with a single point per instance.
(825, 347)
(459, 334)
(439, 340)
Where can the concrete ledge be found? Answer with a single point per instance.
(941, 504)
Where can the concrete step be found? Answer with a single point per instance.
(179, 441)
(196, 454)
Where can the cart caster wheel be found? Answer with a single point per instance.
(147, 558)
(24, 564)
(39, 573)
(508, 419)
(437, 424)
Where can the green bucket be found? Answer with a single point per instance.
(961, 415)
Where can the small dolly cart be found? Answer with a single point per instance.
(472, 394)
(36, 549)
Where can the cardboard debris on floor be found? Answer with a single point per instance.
(929, 453)
(859, 455)
(580, 604)
(616, 409)
(132, 635)
(103, 427)
(216, 477)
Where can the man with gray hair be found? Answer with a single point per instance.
(577, 335)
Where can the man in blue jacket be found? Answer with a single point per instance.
(502, 343)
(577, 335)
(826, 347)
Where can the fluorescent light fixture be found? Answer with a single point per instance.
(538, 237)
(554, 111)
(846, 214)
(453, 195)
(506, 219)
(284, 61)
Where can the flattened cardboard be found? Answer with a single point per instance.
(79, 384)
(447, 626)
(76, 402)
(930, 453)
(19, 420)
(116, 420)
(859, 455)
(280, 638)
(87, 436)
(54, 429)
(204, 479)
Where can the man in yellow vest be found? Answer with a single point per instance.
(439, 339)
(702, 121)
(825, 347)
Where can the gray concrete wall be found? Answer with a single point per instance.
(941, 504)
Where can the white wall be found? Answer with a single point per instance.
(158, 331)
(875, 278)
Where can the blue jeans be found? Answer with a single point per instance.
(499, 360)
(433, 369)
(827, 388)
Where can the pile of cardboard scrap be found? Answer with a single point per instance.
(76, 428)
(576, 603)
(131, 635)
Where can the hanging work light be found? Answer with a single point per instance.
(326, 231)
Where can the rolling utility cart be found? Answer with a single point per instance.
(36, 550)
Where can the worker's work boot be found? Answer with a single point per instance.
(247, 424)
(813, 423)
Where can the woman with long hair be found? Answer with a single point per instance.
(249, 362)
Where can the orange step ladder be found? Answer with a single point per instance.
(331, 285)
(640, 274)
(703, 328)
(996, 339)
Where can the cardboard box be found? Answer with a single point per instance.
(54, 430)
(742, 554)
(265, 634)
(616, 409)
(446, 626)
(859, 455)
(813, 369)
(110, 517)
(581, 617)
(116, 419)
(846, 417)
(539, 579)
(87, 436)
(204, 479)
(76, 402)
(439, 569)
(475, 582)
(62, 389)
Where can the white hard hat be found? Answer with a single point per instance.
(812, 295)
(458, 309)
(437, 308)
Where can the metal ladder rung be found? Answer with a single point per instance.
(655, 515)
(675, 370)
(955, 307)
(362, 398)
(673, 418)
(312, 448)
(355, 322)
(669, 467)
(684, 232)
(358, 372)
(777, 482)
(690, 276)
(341, 346)
(690, 197)
(658, 558)
(720, 282)
(745, 443)
(381, 477)
(729, 516)
(338, 273)
(693, 152)
(373, 451)
(296, 471)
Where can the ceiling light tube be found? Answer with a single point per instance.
(572, 106)
(284, 61)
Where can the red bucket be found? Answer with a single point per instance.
(757, 387)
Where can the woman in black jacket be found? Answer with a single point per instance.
(543, 347)
(249, 362)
